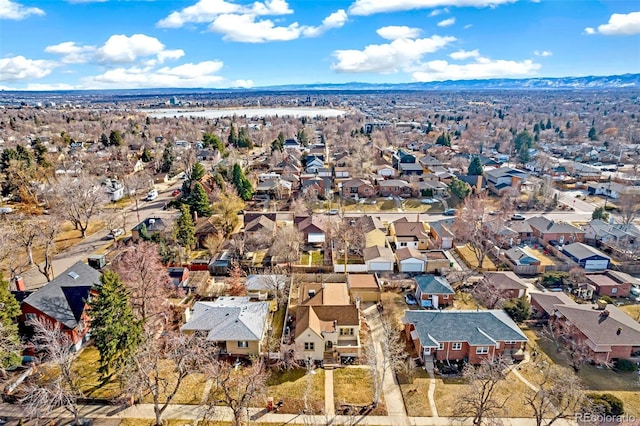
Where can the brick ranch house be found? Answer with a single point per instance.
(471, 336)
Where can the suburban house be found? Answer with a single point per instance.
(410, 260)
(396, 188)
(327, 324)
(441, 233)
(149, 226)
(379, 259)
(277, 188)
(237, 325)
(504, 178)
(463, 335)
(408, 169)
(599, 232)
(611, 283)
(523, 230)
(114, 189)
(612, 190)
(507, 283)
(358, 188)
(519, 257)
(549, 230)
(587, 257)
(262, 286)
(313, 228)
(204, 229)
(63, 301)
(607, 332)
(409, 234)
(341, 172)
(260, 224)
(433, 291)
(373, 229)
(179, 276)
(364, 287)
(402, 157)
(543, 304)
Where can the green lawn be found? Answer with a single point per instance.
(290, 386)
(316, 258)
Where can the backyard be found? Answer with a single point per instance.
(470, 259)
(545, 259)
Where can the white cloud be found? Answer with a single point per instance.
(245, 84)
(122, 49)
(447, 22)
(207, 10)
(12, 10)
(336, 20)
(482, 68)
(369, 7)
(400, 54)
(619, 24)
(464, 54)
(393, 32)
(436, 12)
(71, 52)
(543, 53)
(245, 28)
(188, 75)
(170, 54)
(466, 27)
(20, 68)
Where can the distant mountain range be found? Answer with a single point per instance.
(589, 82)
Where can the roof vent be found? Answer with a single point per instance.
(312, 293)
(152, 221)
(73, 275)
(619, 331)
(604, 313)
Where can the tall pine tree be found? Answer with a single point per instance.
(9, 337)
(199, 201)
(115, 330)
(242, 184)
(185, 230)
(475, 167)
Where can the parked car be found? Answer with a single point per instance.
(410, 299)
(115, 233)
(518, 216)
(428, 201)
(332, 212)
(152, 195)
(450, 212)
(175, 193)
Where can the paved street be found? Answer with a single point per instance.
(63, 260)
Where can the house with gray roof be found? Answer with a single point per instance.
(587, 257)
(63, 301)
(463, 335)
(237, 325)
(549, 230)
(433, 291)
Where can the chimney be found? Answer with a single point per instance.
(195, 216)
(604, 313)
(19, 283)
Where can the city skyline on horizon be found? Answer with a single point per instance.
(132, 44)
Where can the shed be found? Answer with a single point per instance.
(589, 258)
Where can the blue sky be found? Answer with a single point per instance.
(114, 44)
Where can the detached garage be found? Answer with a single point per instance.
(365, 287)
(410, 260)
(379, 259)
(589, 258)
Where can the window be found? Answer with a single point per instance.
(346, 331)
(445, 297)
(456, 346)
(403, 244)
(309, 346)
(481, 350)
(614, 290)
(30, 317)
(243, 344)
(440, 346)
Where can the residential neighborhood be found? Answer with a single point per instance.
(321, 267)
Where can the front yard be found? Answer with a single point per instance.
(354, 386)
(290, 386)
(416, 395)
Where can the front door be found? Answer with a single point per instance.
(427, 351)
(329, 345)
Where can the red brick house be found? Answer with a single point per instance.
(358, 188)
(433, 291)
(463, 335)
(611, 283)
(63, 301)
(549, 230)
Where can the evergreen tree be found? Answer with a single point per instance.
(444, 139)
(24, 155)
(278, 143)
(475, 167)
(185, 230)
(600, 213)
(199, 201)
(523, 139)
(593, 136)
(213, 141)
(242, 184)
(167, 159)
(146, 156)
(459, 188)
(115, 138)
(549, 125)
(104, 139)
(114, 328)
(40, 152)
(197, 172)
(9, 337)
(233, 136)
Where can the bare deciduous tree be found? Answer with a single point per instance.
(142, 271)
(559, 394)
(287, 244)
(79, 200)
(60, 390)
(487, 293)
(47, 233)
(472, 227)
(213, 242)
(24, 231)
(567, 337)
(480, 400)
(629, 206)
(160, 366)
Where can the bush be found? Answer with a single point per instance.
(626, 365)
(553, 279)
(519, 309)
(606, 404)
(607, 299)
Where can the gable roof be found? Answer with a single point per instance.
(602, 326)
(259, 223)
(377, 252)
(323, 318)
(547, 301)
(409, 229)
(519, 256)
(581, 251)
(409, 253)
(229, 318)
(477, 328)
(505, 280)
(64, 298)
(544, 225)
(313, 224)
(430, 284)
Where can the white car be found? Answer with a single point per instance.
(115, 233)
(428, 201)
(152, 195)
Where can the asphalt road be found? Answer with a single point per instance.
(95, 242)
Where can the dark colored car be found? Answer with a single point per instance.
(410, 299)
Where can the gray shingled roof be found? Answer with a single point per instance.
(430, 284)
(64, 298)
(474, 327)
(580, 251)
(229, 318)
